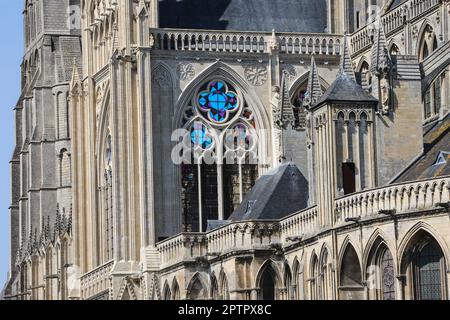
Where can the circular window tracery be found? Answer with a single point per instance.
(218, 102)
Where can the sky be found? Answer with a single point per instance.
(11, 38)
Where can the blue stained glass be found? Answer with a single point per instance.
(218, 102)
(199, 136)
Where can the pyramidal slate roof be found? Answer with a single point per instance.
(277, 194)
(345, 89)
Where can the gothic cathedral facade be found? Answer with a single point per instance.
(240, 149)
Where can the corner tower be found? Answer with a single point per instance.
(41, 163)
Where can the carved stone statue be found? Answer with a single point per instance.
(384, 94)
(276, 104)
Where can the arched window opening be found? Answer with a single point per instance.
(433, 99)
(341, 156)
(364, 77)
(387, 275)
(298, 102)
(106, 226)
(214, 288)
(167, 294)
(197, 291)
(297, 281)
(175, 290)
(314, 280)
(349, 169)
(220, 167)
(64, 168)
(424, 265)
(351, 287)
(394, 51)
(428, 43)
(428, 272)
(268, 285)
(224, 293)
(425, 51)
(62, 116)
(324, 277)
(381, 272)
(353, 151)
(364, 153)
(288, 293)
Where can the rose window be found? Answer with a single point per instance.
(218, 102)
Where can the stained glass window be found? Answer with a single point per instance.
(429, 273)
(222, 137)
(218, 102)
(387, 269)
(200, 137)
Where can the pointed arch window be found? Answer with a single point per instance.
(224, 293)
(394, 51)
(428, 272)
(197, 291)
(351, 287)
(64, 168)
(268, 284)
(432, 100)
(324, 277)
(364, 77)
(220, 167)
(387, 275)
(424, 265)
(167, 294)
(175, 290)
(314, 280)
(428, 44)
(107, 204)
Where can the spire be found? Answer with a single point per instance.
(287, 111)
(57, 229)
(313, 90)
(70, 221)
(115, 42)
(75, 81)
(381, 61)
(346, 61)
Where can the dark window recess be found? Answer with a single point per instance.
(268, 287)
(348, 175)
(231, 189)
(428, 275)
(358, 17)
(190, 197)
(210, 203)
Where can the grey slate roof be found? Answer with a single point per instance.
(344, 89)
(396, 3)
(437, 141)
(245, 15)
(277, 194)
